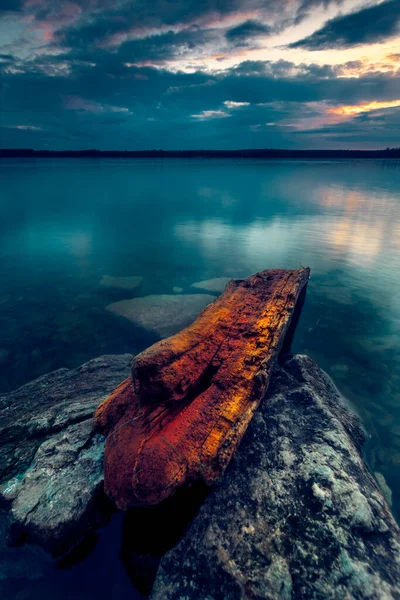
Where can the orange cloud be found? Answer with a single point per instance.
(355, 109)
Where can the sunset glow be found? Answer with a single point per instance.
(363, 108)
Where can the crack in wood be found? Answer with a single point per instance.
(182, 414)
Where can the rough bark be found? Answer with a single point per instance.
(191, 397)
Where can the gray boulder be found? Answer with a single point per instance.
(51, 467)
(297, 514)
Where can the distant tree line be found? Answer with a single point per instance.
(256, 153)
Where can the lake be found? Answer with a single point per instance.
(65, 224)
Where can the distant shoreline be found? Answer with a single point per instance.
(258, 153)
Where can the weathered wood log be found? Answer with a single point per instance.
(182, 414)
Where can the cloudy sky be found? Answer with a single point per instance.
(185, 74)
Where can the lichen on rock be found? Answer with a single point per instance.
(297, 514)
(51, 475)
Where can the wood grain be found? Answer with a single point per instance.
(182, 414)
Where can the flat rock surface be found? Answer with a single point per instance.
(297, 514)
(51, 467)
(164, 314)
(217, 284)
(122, 283)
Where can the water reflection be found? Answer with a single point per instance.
(65, 224)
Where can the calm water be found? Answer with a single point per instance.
(66, 223)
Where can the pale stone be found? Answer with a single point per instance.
(212, 285)
(164, 314)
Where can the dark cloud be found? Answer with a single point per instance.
(109, 105)
(107, 75)
(369, 130)
(10, 6)
(162, 47)
(249, 30)
(306, 7)
(120, 21)
(369, 25)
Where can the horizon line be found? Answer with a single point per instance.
(201, 151)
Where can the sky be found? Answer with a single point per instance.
(199, 74)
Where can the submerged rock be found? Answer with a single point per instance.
(122, 283)
(385, 489)
(164, 314)
(217, 284)
(297, 514)
(51, 467)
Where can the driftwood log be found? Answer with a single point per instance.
(184, 410)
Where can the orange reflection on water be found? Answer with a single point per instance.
(360, 240)
(348, 201)
(363, 223)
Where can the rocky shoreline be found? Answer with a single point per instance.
(296, 515)
(51, 470)
(239, 465)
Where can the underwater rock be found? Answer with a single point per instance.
(122, 283)
(297, 514)
(340, 370)
(182, 414)
(163, 314)
(217, 284)
(385, 489)
(51, 467)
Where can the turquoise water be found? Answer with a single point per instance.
(64, 224)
